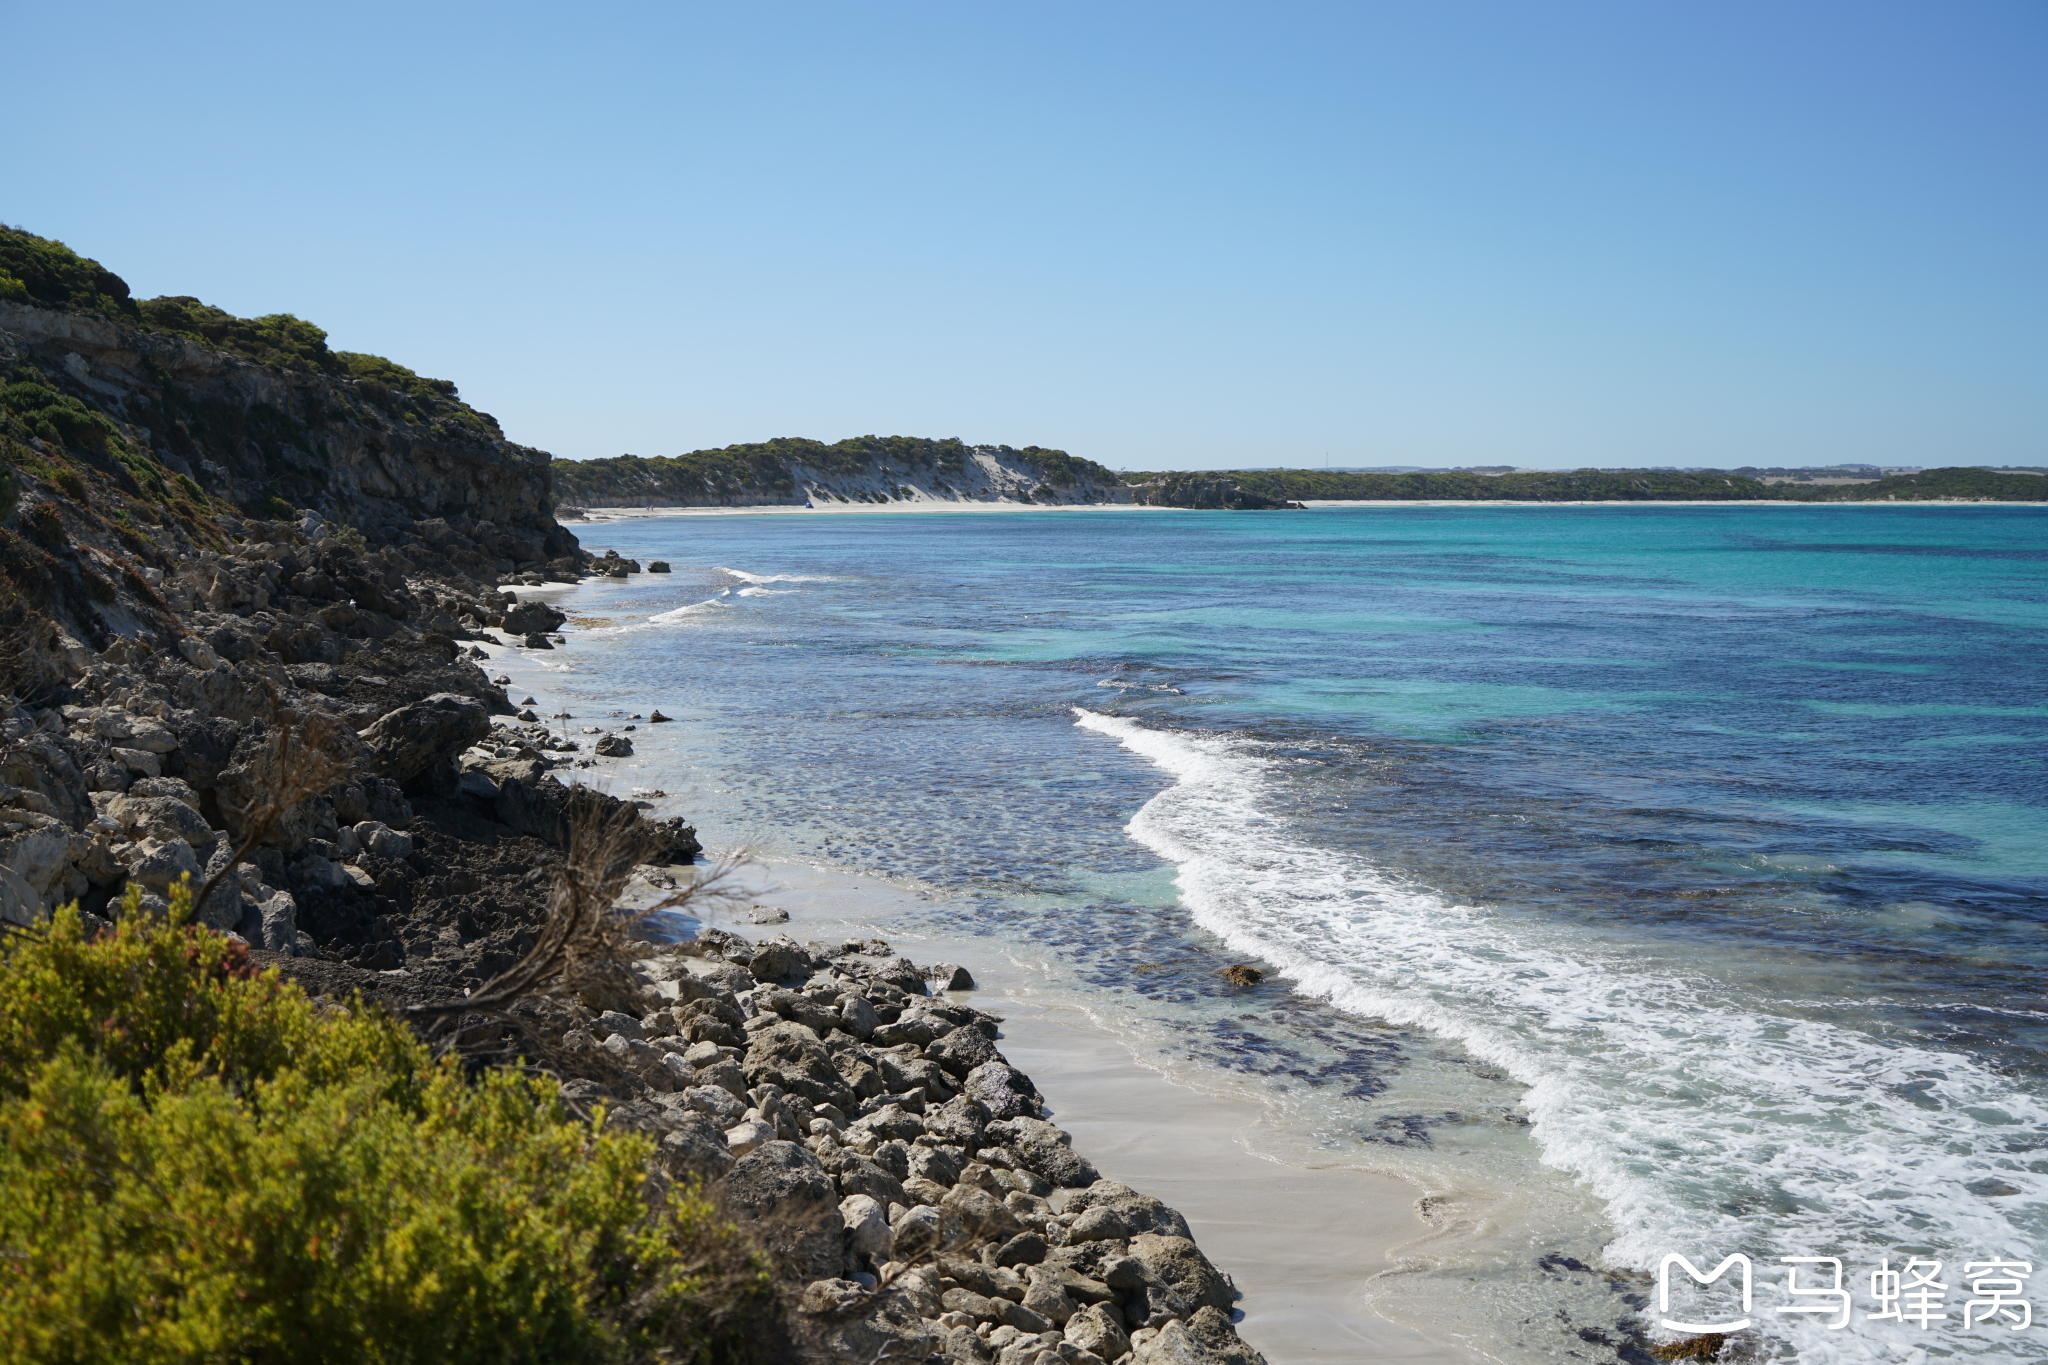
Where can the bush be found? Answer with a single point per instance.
(198, 1163)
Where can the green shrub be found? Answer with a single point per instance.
(197, 1163)
(52, 275)
(391, 375)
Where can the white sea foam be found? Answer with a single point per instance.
(677, 614)
(1707, 1124)
(673, 617)
(746, 577)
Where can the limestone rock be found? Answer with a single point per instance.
(382, 840)
(867, 1227)
(694, 1148)
(409, 741)
(781, 1193)
(1207, 1338)
(780, 959)
(1099, 1330)
(1002, 1090)
(1180, 1264)
(961, 1051)
(1044, 1149)
(157, 863)
(1138, 1212)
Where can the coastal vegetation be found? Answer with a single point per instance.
(788, 468)
(1629, 485)
(197, 1162)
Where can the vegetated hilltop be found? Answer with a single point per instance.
(789, 471)
(163, 398)
(1624, 485)
(1929, 485)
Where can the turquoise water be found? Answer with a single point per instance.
(1687, 857)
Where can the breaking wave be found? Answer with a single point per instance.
(1708, 1123)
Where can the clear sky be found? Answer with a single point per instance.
(1160, 235)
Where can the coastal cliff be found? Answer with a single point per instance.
(243, 584)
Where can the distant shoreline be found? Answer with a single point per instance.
(600, 514)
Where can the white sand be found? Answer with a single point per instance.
(1299, 1242)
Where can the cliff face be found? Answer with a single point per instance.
(270, 440)
(239, 575)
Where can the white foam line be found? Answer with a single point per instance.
(746, 577)
(1669, 1101)
(675, 616)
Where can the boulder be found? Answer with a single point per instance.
(857, 1016)
(748, 1135)
(694, 1149)
(782, 1195)
(157, 863)
(613, 746)
(1048, 1298)
(1179, 1264)
(1026, 1248)
(917, 1231)
(980, 1214)
(790, 1055)
(533, 618)
(160, 817)
(1002, 1090)
(425, 736)
(949, 976)
(961, 1051)
(382, 840)
(1045, 1150)
(780, 959)
(862, 1175)
(867, 1227)
(1138, 1212)
(839, 1320)
(1099, 1330)
(958, 1122)
(716, 1103)
(40, 851)
(1103, 1223)
(1207, 1338)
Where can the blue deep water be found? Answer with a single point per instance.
(1693, 855)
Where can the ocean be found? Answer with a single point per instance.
(1636, 881)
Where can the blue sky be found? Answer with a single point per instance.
(1159, 235)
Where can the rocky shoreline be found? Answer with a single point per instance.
(917, 1204)
(290, 709)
